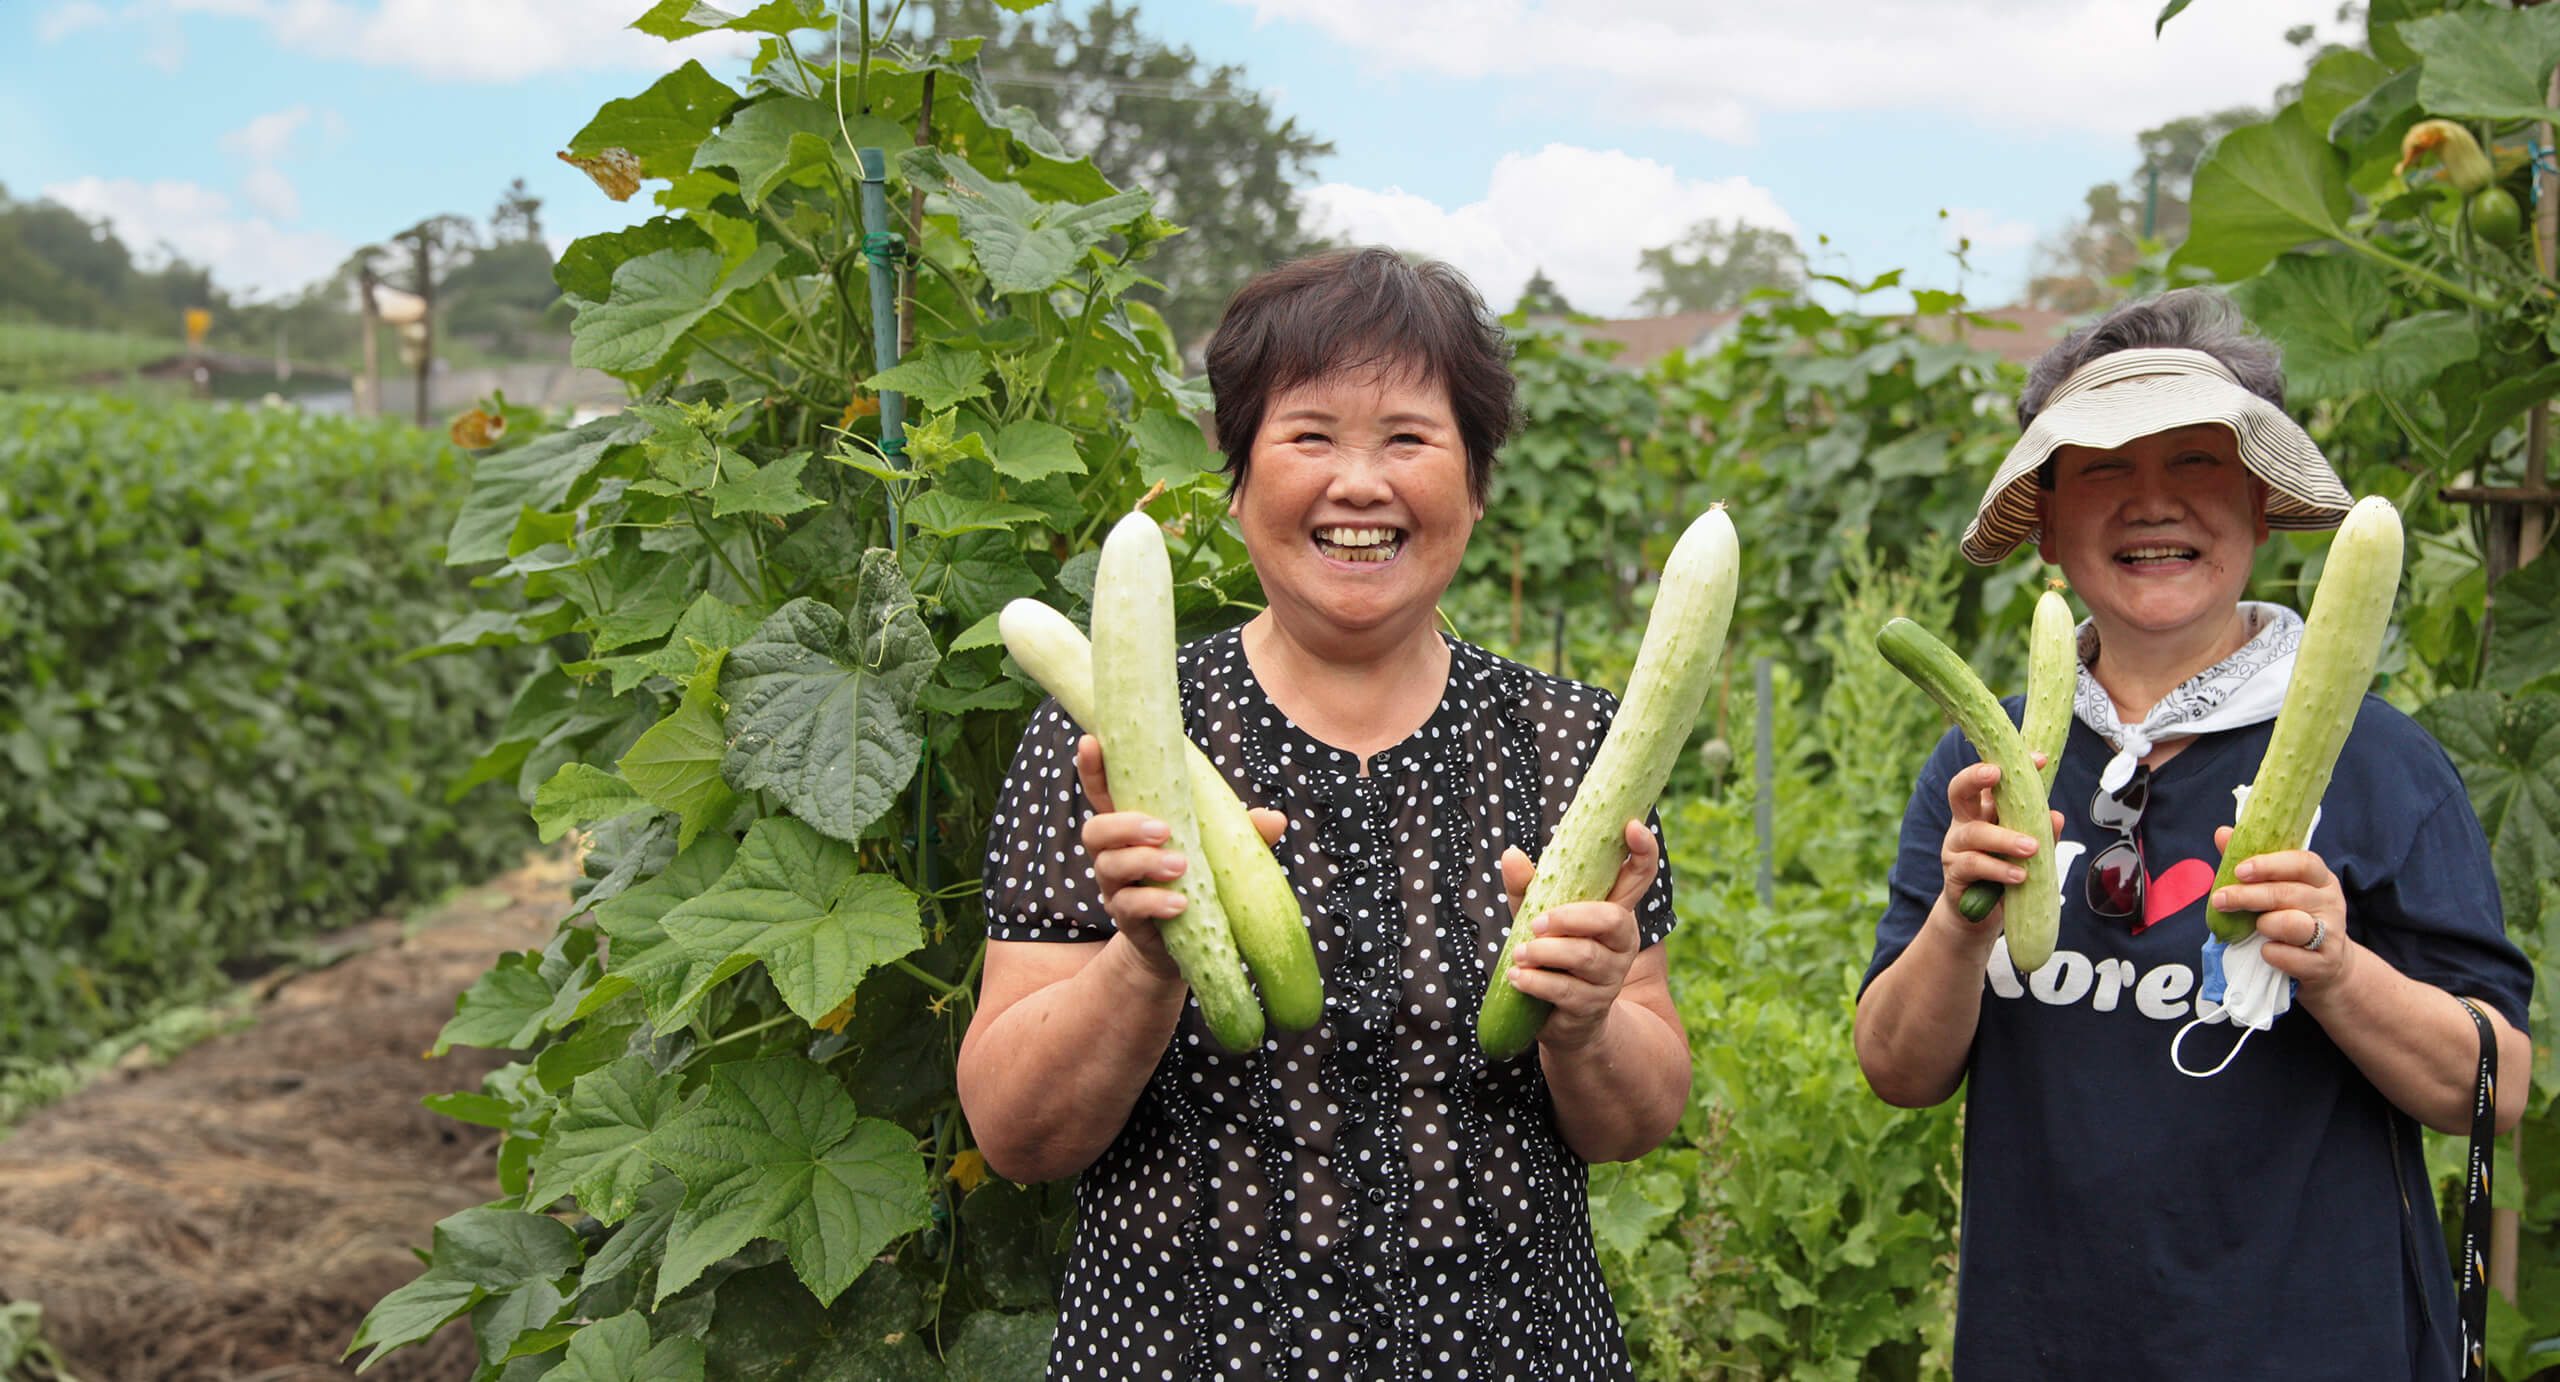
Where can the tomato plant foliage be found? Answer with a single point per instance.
(772, 701)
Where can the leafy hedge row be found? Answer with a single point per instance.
(208, 742)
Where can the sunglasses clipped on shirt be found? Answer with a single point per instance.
(2116, 875)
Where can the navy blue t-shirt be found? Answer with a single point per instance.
(2126, 1221)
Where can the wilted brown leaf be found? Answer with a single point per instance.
(617, 171)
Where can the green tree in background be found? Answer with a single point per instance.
(1220, 160)
(1715, 265)
(1540, 297)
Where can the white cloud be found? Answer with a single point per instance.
(1718, 69)
(268, 137)
(272, 193)
(472, 40)
(247, 254)
(64, 20)
(1581, 215)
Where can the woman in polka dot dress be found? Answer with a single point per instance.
(1371, 1199)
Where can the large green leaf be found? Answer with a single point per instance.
(2524, 626)
(2336, 83)
(936, 379)
(817, 929)
(676, 764)
(777, 136)
(2508, 749)
(1025, 245)
(972, 576)
(675, 19)
(2263, 190)
(822, 704)
(1172, 450)
(1033, 450)
(2329, 312)
(502, 1010)
(656, 299)
(662, 125)
(2487, 63)
(775, 1150)
(480, 1254)
(535, 476)
(598, 1144)
(944, 514)
(997, 1347)
(585, 269)
(578, 794)
(619, 1350)
(771, 488)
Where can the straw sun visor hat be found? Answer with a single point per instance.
(2133, 393)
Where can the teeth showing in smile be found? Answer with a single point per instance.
(1360, 544)
(2151, 554)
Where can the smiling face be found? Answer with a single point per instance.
(1355, 508)
(2156, 535)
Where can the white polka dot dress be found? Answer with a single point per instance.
(1371, 1199)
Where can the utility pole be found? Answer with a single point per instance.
(368, 386)
(424, 246)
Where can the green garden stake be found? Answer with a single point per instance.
(883, 245)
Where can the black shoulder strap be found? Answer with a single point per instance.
(2474, 1272)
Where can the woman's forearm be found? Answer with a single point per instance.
(1062, 1046)
(1915, 1023)
(2416, 1044)
(1619, 1094)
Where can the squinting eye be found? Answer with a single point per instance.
(1304, 438)
(1404, 439)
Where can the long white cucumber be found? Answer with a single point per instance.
(1138, 718)
(2341, 640)
(1683, 641)
(2032, 917)
(2053, 673)
(1262, 907)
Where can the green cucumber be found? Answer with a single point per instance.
(1262, 907)
(1683, 640)
(2341, 640)
(1138, 718)
(2034, 914)
(2053, 674)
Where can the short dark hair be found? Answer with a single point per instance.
(2180, 319)
(1361, 310)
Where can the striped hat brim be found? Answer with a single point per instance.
(2133, 393)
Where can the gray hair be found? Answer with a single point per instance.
(2181, 319)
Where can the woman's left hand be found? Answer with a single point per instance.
(2298, 902)
(1578, 954)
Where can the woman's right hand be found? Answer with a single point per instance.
(1131, 863)
(1978, 848)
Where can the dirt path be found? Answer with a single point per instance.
(233, 1214)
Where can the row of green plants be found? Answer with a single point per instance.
(771, 700)
(209, 742)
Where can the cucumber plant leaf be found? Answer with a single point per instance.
(537, 476)
(2487, 63)
(619, 1350)
(598, 1144)
(578, 794)
(656, 298)
(2263, 190)
(480, 1254)
(2331, 310)
(775, 1150)
(2508, 750)
(662, 125)
(675, 764)
(822, 703)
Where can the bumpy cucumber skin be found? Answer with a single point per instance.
(1683, 641)
(2341, 641)
(2053, 670)
(1262, 907)
(2034, 914)
(1138, 717)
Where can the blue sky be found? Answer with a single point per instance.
(270, 137)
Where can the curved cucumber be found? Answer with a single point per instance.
(2034, 916)
(2341, 639)
(2053, 673)
(1262, 907)
(1683, 640)
(1138, 717)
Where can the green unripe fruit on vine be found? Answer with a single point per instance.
(2495, 215)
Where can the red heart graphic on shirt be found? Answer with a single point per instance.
(2172, 892)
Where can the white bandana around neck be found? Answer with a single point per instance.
(2242, 689)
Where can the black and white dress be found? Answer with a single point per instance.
(1372, 1199)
